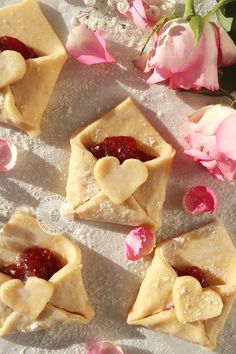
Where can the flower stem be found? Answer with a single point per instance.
(215, 9)
(189, 8)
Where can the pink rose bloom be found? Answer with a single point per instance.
(213, 140)
(8, 155)
(176, 60)
(139, 243)
(88, 47)
(145, 13)
(199, 199)
(104, 348)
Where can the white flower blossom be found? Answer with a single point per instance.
(100, 14)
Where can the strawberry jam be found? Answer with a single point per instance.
(195, 272)
(10, 43)
(121, 147)
(33, 262)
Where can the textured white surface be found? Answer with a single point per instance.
(81, 95)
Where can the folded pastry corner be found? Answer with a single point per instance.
(41, 285)
(30, 75)
(190, 287)
(119, 169)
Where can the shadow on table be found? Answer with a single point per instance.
(111, 290)
(132, 350)
(85, 92)
(56, 20)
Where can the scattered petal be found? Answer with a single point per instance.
(199, 199)
(8, 155)
(87, 46)
(104, 348)
(139, 243)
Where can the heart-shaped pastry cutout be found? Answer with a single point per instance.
(192, 302)
(117, 181)
(28, 299)
(12, 67)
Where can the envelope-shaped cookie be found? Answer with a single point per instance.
(29, 302)
(171, 300)
(131, 191)
(28, 84)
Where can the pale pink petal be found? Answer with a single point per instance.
(203, 72)
(137, 13)
(139, 243)
(104, 348)
(199, 199)
(140, 61)
(197, 155)
(227, 47)
(156, 77)
(8, 155)
(226, 137)
(228, 169)
(196, 116)
(211, 119)
(203, 143)
(87, 46)
(213, 169)
(175, 48)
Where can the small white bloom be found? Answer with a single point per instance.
(123, 6)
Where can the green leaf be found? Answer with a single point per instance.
(156, 27)
(197, 24)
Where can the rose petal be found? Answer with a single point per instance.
(226, 137)
(228, 48)
(197, 155)
(175, 49)
(137, 13)
(213, 169)
(140, 242)
(104, 348)
(203, 71)
(228, 169)
(87, 46)
(8, 155)
(199, 199)
(211, 119)
(203, 143)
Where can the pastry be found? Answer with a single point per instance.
(31, 58)
(119, 169)
(190, 287)
(40, 278)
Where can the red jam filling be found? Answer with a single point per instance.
(195, 272)
(34, 262)
(10, 43)
(121, 147)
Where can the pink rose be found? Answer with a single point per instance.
(8, 155)
(139, 243)
(199, 199)
(145, 13)
(104, 348)
(213, 140)
(176, 59)
(88, 47)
